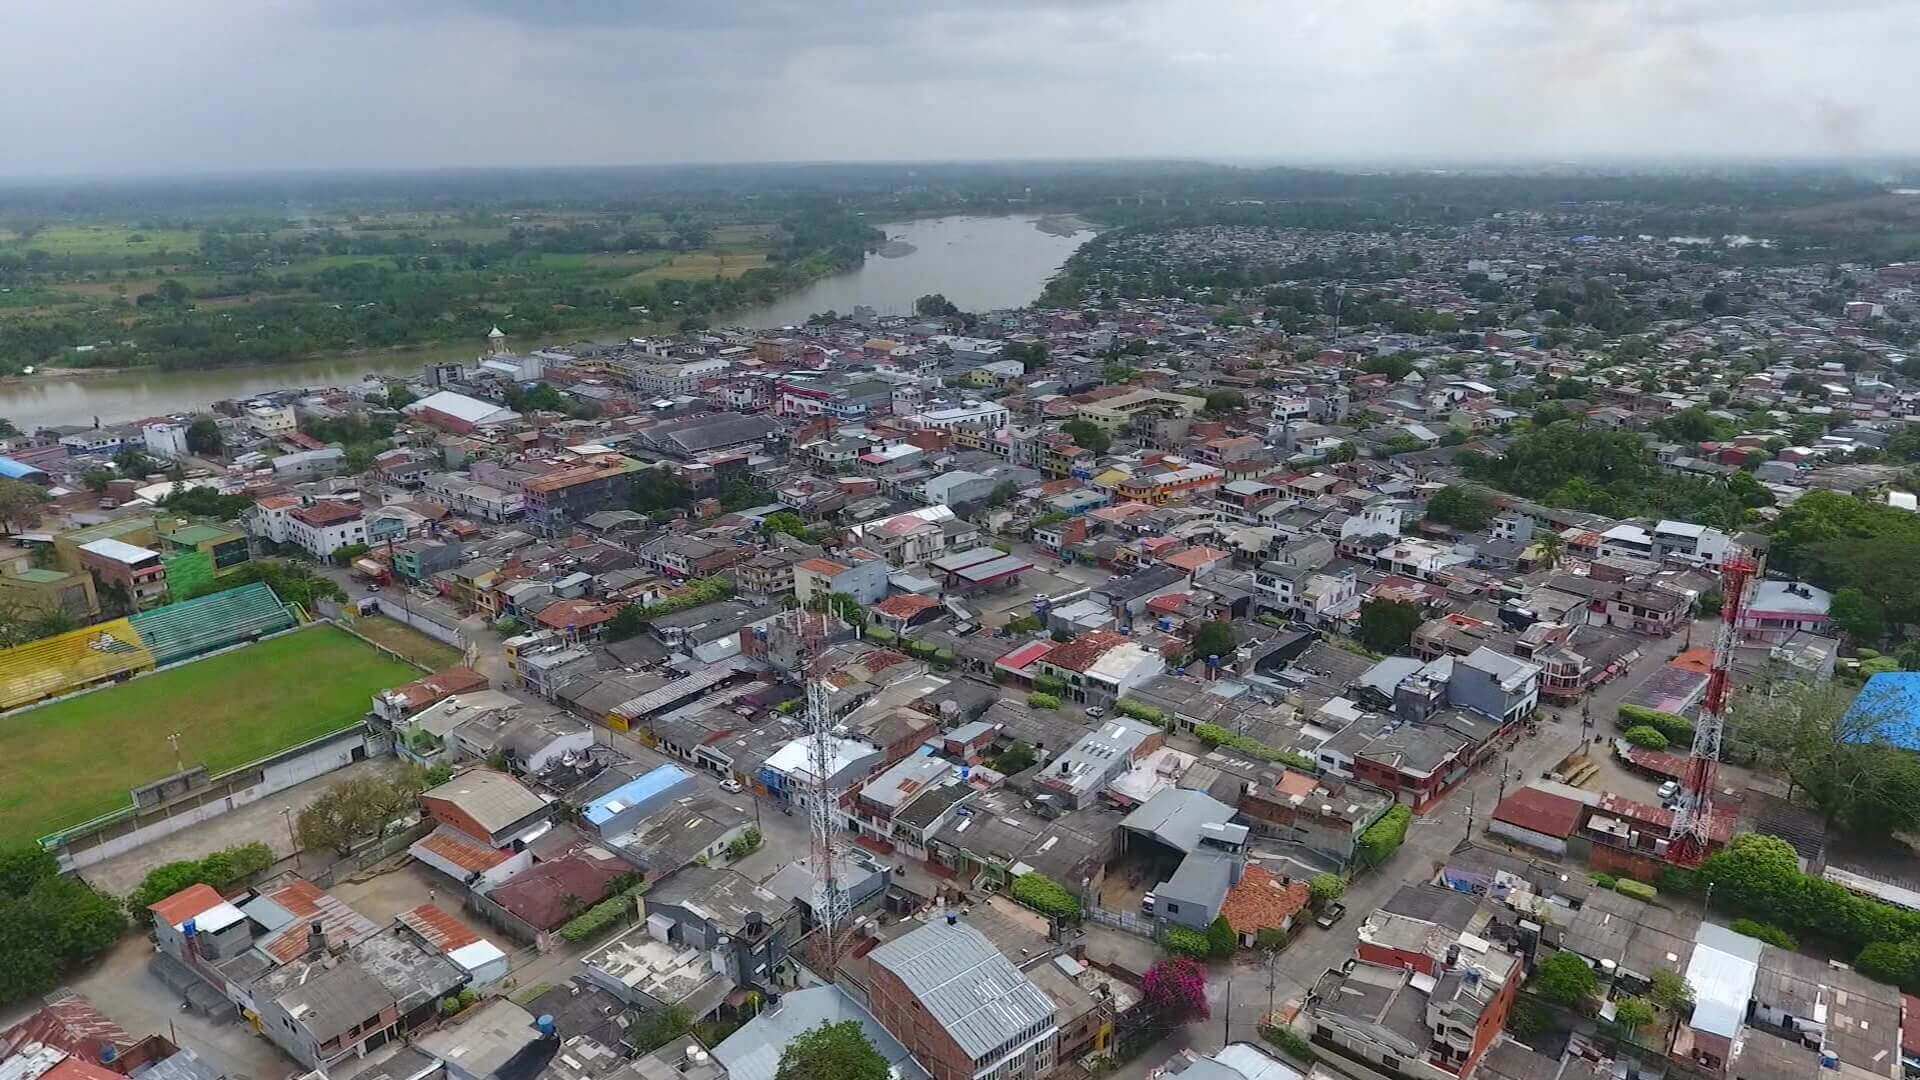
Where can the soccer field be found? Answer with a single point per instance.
(74, 760)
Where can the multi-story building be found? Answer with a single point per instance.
(976, 415)
(270, 421)
(470, 498)
(652, 376)
(963, 1009)
(43, 590)
(1118, 412)
(555, 500)
(134, 572)
(325, 527)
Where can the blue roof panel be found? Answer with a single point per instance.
(634, 792)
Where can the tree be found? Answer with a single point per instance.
(658, 1027)
(1215, 638)
(1118, 373)
(1460, 508)
(20, 504)
(787, 523)
(1324, 889)
(658, 490)
(96, 479)
(1753, 873)
(839, 1051)
(934, 305)
(23, 866)
(1859, 617)
(1670, 992)
(1387, 626)
(399, 397)
(349, 812)
(1222, 401)
(1646, 737)
(203, 437)
(1632, 1014)
(1018, 759)
(1176, 990)
(628, 622)
(206, 502)
(1088, 435)
(1564, 979)
(1842, 750)
(1222, 942)
(1552, 547)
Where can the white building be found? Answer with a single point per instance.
(270, 421)
(325, 527)
(974, 414)
(166, 439)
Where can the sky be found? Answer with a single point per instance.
(138, 87)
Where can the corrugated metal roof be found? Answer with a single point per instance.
(966, 985)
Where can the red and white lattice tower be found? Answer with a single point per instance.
(1693, 819)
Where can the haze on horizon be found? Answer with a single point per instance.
(204, 86)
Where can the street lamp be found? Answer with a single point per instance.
(286, 814)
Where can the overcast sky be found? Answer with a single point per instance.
(218, 85)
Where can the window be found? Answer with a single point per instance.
(1173, 909)
(1389, 1061)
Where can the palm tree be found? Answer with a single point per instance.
(1551, 548)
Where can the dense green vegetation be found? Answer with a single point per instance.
(1849, 545)
(222, 869)
(367, 280)
(1045, 895)
(1383, 838)
(48, 922)
(1610, 472)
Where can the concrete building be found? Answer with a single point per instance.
(960, 1007)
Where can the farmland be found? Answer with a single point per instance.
(73, 760)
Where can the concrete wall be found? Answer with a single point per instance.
(236, 789)
(395, 610)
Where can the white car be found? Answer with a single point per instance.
(1095, 712)
(1669, 789)
(731, 785)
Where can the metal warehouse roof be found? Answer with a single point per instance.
(967, 986)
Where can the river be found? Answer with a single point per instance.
(979, 263)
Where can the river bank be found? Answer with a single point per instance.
(979, 262)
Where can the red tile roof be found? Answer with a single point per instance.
(437, 928)
(553, 892)
(1168, 604)
(1260, 902)
(572, 614)
(1081, 653)
(462, 850)
(77, 1068)
(825, 567)
(185, 904)
(1024, 656)
(1540, 811)
(326, 513)
(905, 606)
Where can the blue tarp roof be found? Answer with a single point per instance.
(14, 470)
(1892, 699)
(634, 792)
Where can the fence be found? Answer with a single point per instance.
(1120, 920)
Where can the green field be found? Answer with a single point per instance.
(74, 760)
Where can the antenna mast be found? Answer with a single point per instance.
(1693, 819)
(824, 833)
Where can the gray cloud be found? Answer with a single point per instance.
(196, 85)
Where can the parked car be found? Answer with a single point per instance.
(1669, 789)
(1095, 712)
(731, 786)
(1330, 914)
(1146, 904)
